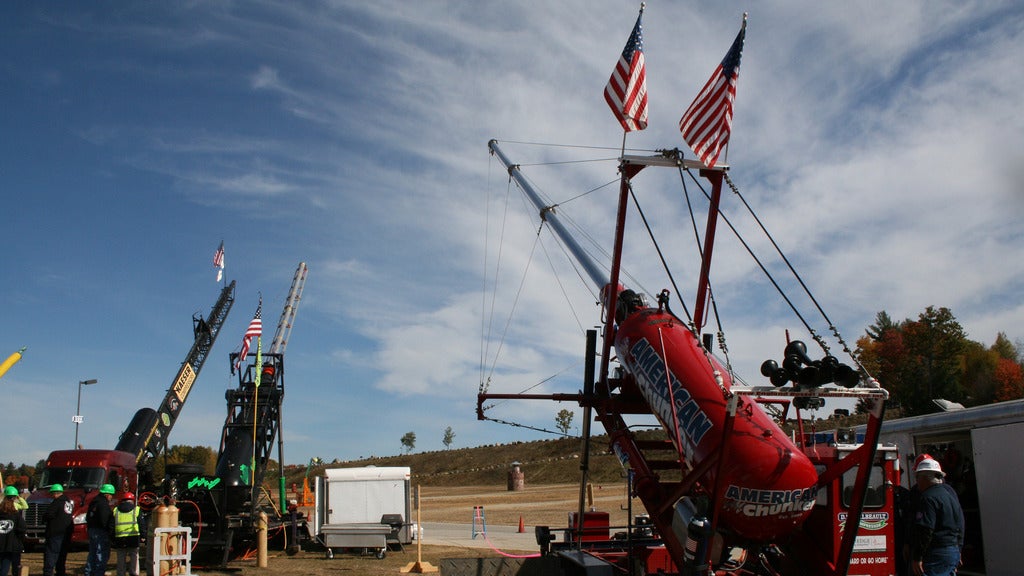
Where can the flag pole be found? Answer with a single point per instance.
(257, 368)
(743, 26)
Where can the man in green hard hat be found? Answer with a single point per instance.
(59, 525)
(99, 522)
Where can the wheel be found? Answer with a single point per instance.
(381, 553)
(329, 554)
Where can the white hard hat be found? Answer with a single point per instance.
(929, 465)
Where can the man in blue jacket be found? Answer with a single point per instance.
(938, 533)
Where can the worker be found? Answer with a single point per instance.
(59, 526)
(126, 535)
(99, 522)
(12, 531)
(21, 505)
(938, 532)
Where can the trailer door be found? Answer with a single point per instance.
(999, 465)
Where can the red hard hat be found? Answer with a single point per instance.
(128, 496)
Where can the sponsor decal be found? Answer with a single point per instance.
(755, 502)
(868, 520)
(183, 383)
(869, 560)
(650, 371)
(203, 483)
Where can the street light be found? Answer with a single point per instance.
(78, 411)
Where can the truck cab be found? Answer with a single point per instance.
(875, 547)
(81, 473)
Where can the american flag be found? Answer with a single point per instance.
(218, 261)
(707, 123)
(255, 329)
(626, 92)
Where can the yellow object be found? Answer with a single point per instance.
(11, 361)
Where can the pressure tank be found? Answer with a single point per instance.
(769, 484)
(136, 435)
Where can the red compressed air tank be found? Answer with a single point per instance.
(769, 484)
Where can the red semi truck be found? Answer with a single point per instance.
(82, 472)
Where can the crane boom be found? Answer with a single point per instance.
(148, 431)
(291, 306)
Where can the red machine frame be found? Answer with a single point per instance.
(608, 398)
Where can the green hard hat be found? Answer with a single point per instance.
(107, 489)
(56, 488)
(10, 491)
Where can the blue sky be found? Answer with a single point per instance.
(883, 148)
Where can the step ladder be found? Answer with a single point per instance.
(479, 522)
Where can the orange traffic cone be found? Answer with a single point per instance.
(521, 527)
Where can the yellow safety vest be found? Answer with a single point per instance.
(126, 523)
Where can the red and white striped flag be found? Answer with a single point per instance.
(255, 330)
(707, 123)
(626, 92)
(218, 261)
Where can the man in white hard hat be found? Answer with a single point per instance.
(938, 532)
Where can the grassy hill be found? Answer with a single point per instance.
(542, 462)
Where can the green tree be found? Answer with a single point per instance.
(409, 441)
(936, 342)
(978, 376)
(1005, 349)
(563, 420)
(883, 323)
(449, 436)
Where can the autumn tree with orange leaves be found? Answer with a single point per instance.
(931, 357)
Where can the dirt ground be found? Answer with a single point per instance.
(312, 563)
(536, 505)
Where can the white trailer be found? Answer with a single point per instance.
(982, 451)
(363, 508)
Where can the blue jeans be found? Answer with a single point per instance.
(52, 555)
(99, 552)
(941, 561)
(6, 561)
